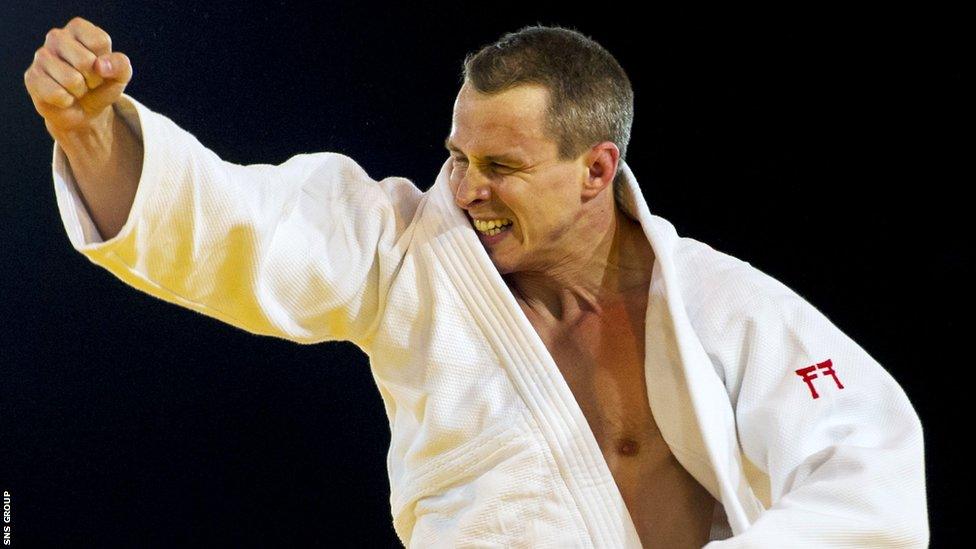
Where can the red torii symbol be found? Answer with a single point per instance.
(809, 374)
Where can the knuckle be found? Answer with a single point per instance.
(76, 82)
(61, 97)
(52, 35)
(49, 95)
(49, 92)
(41, 54)
(100, 40)
(77, 20)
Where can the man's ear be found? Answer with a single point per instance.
(601, 162)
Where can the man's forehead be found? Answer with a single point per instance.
(510, 121)
(513, 107)
(463, 137)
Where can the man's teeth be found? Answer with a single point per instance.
(491, 227)
(493, 232)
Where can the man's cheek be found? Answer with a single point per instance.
(453, 178)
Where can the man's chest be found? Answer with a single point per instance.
(601, 357)
(602, 361)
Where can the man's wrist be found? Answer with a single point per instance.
(93, 141)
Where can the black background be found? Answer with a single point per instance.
(825, 148)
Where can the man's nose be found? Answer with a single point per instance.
(472, 190)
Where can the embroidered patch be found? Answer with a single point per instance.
(810, 373)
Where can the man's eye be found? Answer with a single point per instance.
(493, 165)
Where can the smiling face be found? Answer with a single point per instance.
(504, 167)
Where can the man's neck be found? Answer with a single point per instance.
(615, 265)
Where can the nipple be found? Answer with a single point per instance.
(627, 447)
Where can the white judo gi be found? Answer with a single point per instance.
(803, 438)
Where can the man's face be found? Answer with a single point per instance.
(504, 167)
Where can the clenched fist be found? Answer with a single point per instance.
(75, 78)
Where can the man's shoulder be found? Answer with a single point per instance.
(716, 285)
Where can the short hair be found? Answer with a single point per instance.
(590, 96)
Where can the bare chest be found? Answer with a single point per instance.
(602, 360)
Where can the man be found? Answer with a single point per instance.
(558, 366)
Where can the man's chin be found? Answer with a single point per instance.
(503, 267)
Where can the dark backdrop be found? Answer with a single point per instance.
(824, 148)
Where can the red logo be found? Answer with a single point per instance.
(810, 373)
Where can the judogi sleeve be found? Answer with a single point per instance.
(835, 433)
(302, 251)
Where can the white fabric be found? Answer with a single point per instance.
(489, 447)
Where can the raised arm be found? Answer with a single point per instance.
(302, 251)
(74, 80)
